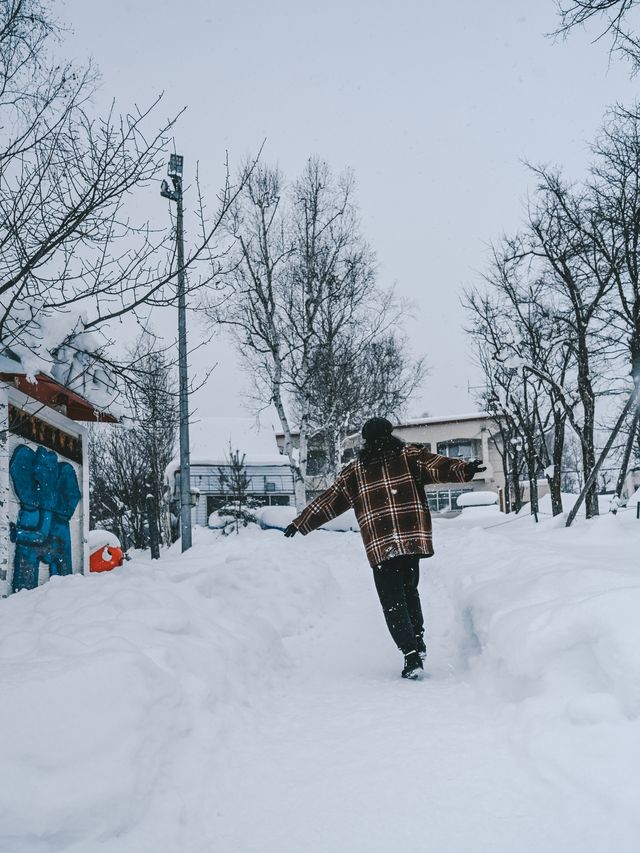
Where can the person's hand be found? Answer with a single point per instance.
(290, 531)
(475, 467)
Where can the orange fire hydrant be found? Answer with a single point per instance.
(105, 559)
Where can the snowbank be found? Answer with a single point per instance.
(275, 517)
(472, 516)
(549, 623)
(476, 499)
(568, 501)
(179, 705)
(118, 687)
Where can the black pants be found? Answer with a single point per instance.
(397, 585)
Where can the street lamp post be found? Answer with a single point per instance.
(174, 171)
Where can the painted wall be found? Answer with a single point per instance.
(44, 508)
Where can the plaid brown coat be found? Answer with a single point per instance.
(388, 498)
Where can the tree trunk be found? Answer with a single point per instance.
(532, 471)
(507, 491)
(504, 459)
(555, 481)
(588, 463)
(515, 482)
(152, 522)
(303, 450)
(587, 437)
(337, 450)
(290, 450)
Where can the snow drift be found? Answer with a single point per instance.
(118, 687)
(236, 697)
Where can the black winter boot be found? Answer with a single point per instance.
(420, 647)
(412, 666)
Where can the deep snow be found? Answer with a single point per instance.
(246, 697)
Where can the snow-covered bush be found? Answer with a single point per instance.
(231, 517)
(218, 521)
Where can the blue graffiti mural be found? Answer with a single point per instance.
(48, 492)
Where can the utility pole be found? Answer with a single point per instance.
(175, 173)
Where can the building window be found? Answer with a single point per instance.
(216, 502)
(279, 500)
(444, 500)
(460, 448)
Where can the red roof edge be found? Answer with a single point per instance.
(50, 392)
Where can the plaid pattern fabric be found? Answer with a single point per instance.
(388, 499)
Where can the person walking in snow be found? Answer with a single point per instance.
(385, 487)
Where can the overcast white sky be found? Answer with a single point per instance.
(433, 105)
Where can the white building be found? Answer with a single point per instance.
(469, 436)
(211, 441)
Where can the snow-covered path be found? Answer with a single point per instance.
(351, 758)
(246, 698)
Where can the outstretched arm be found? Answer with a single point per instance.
(434, 468)
(330, 504)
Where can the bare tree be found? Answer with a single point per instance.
(118, 486)
(331, 282)
(71, 259)
(506, 435)
(615, 190)
(154, 407)
(615, 13)
(127, 462)
(356, 376)
(561, 226)
(525, 360)
(253, 302)
(303, 279)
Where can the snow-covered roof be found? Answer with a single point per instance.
(211, 438)
(85, 388)
(445, 419)
(57, 345)
(442, 419)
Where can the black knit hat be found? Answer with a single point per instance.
(376, 428)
